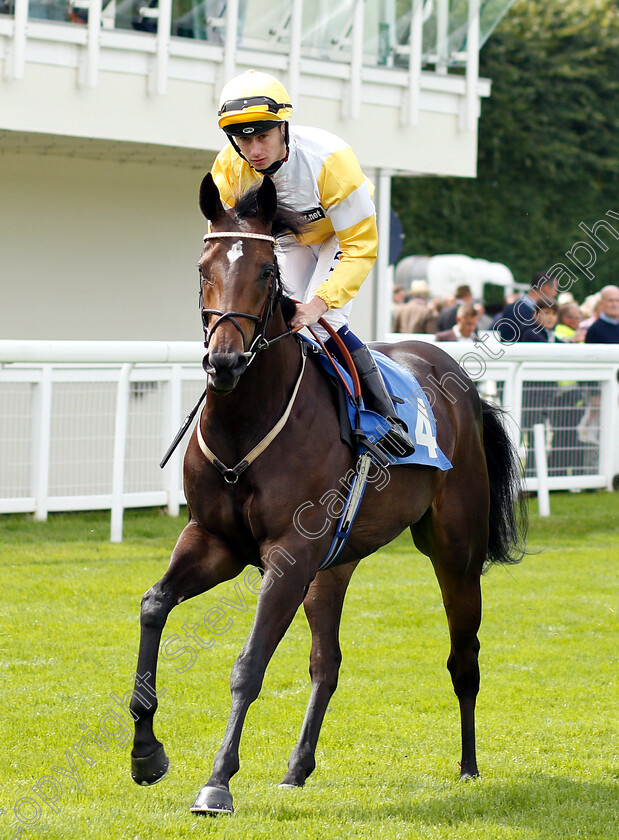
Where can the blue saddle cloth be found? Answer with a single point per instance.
(415, 411)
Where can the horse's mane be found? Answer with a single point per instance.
(286, 221)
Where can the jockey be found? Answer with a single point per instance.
(318, 175)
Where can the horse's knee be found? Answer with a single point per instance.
(155, 608)
(246, 676)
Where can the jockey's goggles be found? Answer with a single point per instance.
(252, 115)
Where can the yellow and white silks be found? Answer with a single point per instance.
(323, 180)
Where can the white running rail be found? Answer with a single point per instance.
(83, 425)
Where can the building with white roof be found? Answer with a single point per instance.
(108, 124)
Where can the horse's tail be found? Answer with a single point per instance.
(508, 512)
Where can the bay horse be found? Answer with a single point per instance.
(463, 519)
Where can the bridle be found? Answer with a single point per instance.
(258, 341)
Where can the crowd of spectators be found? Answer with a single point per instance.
(570, 410)
(541, 314)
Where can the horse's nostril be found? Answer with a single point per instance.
(224, 368)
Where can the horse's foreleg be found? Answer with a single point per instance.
(278, 602)
(323, 607)
(149, 762)
(197, 564)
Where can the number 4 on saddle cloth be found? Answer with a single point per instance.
(411, 404)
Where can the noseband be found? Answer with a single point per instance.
(258, 342)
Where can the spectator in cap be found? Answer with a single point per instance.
(565, 297)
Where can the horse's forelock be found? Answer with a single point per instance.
(286, 221)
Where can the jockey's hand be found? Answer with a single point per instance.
(307, 314)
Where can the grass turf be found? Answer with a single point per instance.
(387, 758)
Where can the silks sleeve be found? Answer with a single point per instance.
(346, 195)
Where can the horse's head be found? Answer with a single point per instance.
(238, 279)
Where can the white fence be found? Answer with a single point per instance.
(83, 425)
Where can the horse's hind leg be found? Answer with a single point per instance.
(457, 548)
(197, 564)
(323, 607)
(462, 599)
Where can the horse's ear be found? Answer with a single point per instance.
(210, 202)
(267, 200)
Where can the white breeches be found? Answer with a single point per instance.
(304, 268)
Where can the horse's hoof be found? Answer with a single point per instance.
(151, 768)
(294, 779)
(213, 800)
(291, 780)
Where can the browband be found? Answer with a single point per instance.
(228, 234)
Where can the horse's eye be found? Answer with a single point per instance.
(267, 272)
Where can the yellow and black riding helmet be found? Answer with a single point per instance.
(254, 103)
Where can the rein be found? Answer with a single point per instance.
(354, 375)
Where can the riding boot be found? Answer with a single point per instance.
(397, 441)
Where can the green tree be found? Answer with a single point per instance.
(548, 148)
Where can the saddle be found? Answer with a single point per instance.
(363, 429)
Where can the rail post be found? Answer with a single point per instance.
(120, 448)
